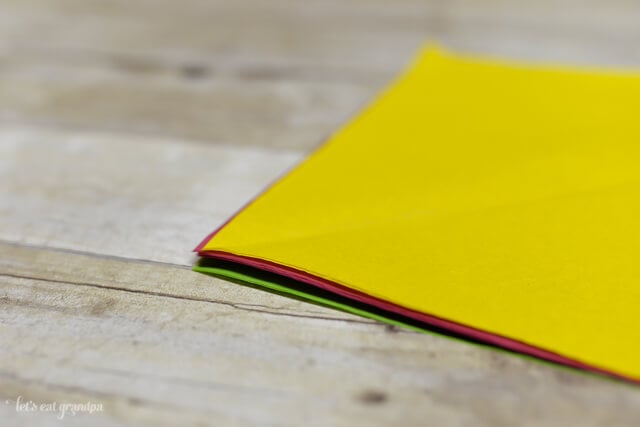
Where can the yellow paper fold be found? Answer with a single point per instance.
(496, 195)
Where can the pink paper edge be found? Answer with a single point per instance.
(455, 327)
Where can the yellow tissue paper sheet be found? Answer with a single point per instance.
(496, 195)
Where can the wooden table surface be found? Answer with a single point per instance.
(130, 129)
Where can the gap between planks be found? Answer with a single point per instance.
(14, 254)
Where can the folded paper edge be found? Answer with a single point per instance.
(455, 327)
(428, 48)
(328, 285)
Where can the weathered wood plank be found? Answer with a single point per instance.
(279, 73)
(124, 195)
(161, 101)
(162, 280)
(367, 35)
(152, 356)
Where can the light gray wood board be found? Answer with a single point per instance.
(122, 195)
(158, 345)
(278, 73)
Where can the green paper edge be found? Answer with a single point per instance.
(247, 280)
(283, 290)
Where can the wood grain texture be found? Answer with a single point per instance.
(161, 345)
(282, 72)
(130, 129)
